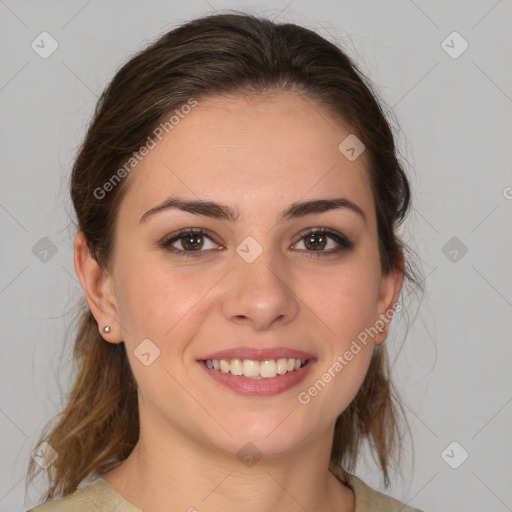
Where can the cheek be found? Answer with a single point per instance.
(155, 298)
(344, 300)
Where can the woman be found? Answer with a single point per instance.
(237, 196)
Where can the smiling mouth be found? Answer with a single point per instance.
(253, 369)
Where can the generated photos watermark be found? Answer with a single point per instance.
(163, 128)
(304, 397)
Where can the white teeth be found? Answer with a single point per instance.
(224, 366)
(251, 368)
(268, 369)
(282, 366)
(255, 369)
(236, 367)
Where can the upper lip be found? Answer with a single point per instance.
(258, 354)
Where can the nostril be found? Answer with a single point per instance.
(241, 318)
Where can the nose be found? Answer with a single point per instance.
(260, 294)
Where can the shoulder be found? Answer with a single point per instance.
(97, 495)
(368, 499)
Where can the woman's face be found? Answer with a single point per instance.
(253, 286)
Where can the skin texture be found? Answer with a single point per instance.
(258, 155)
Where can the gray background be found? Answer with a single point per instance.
(455, 115)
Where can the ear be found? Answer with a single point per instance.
(98, 290)
(391, 284)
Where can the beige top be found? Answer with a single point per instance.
(99, 495)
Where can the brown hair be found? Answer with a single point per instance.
(220, 54)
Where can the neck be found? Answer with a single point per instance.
(184, 474)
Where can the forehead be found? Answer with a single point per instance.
(265, 150)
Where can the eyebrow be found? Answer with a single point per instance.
(224, 212)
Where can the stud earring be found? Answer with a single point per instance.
(106, 329)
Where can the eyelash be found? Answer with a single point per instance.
(343, 242)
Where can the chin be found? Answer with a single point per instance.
(270, 438)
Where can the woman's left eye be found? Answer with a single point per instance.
(323, 241)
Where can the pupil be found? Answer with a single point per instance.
(316, 241)
(193, 242)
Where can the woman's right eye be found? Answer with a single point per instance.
(189, 242)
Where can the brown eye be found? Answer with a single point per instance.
(188, 242)
(315, 241)
(323, 241)
(192, 242)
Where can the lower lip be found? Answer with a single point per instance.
(259, 387)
